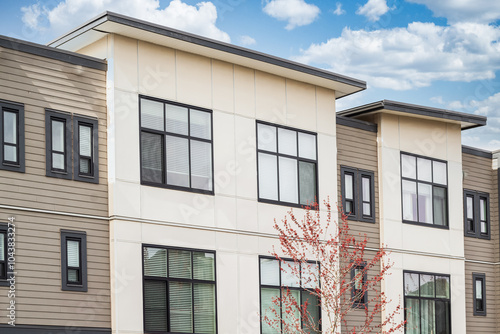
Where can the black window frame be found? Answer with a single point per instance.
(3, 273)
(432, 184)
(93, 176)
(481, 277)
(475, 232)
(278, 155)
(301, 289)
(18, 109)
(358, 298)
(65, 117)
(189, 138)
(168, 279)
(80, 236)
(448, 300)
(358, 175)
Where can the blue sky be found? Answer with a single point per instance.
(443, 54)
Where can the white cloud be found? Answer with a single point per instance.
(415, 56)
(339, 11)
(483, 11)
(199, 19)
(296, 12)
(247, 40)
(373, 9)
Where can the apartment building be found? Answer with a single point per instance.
(53, 191)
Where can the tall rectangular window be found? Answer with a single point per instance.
(85, 148)
(179, 290)
(58, 144)
(275, 276)
(287, 165)
(358, 279)
(12, 136)
(74, 260)
(424, 190)
(176, 146)
(477, 214)
(479, 293)
(358, 194)
(3, 253)
(427, 303)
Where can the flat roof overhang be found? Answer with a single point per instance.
(112, 23)
(466, 121)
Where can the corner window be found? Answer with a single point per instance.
(85, 140)
(74, 260)
(358, 279)
(287, 165)
(276, 275)
(176, 146)
(58, 140)
(424, 190)
(179, 290)
(427, 303)
(12, 136)
(358, 194)
(477, 214)
(3, 253)
(479, 293)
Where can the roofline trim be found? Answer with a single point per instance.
(209, 43)
(357, 124)
(52, 53)
(477, 152)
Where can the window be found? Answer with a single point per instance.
(427, 303)
(63, 129)
(176, 146)
(179, 290)
(12, 136)
(358, 194)
(74, 260)
(3, 254)
(424, 190)
(477, 214)
(358, 279)
(287, 165)
(479, 293)
(274, 275)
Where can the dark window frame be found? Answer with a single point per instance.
(167, 279)
(66, 118)
(82, 237)
(278, 155)
(164, 135)
(482, 278)
(358, 175)
(301, 289)
(432, 184)
(18, 109)
(405, 297)
(363, 301)
(93, 176)
(3, 274)
(476, 219)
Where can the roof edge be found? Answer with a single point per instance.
(356, 123)
(477, 152)
(52, 53)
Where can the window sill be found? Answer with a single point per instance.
(441, 227)
(293, 205)
(482, 237)
(4, 282)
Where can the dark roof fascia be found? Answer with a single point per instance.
(52, 53)
(476, 120)
(209, 43)
(477, 152)
(357, 124)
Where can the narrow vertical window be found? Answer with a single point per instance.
(74, 260)
(358, 194)
(358, 279)
(476, 214)
(483, 215)
(479, 294)
(349, 193)
(469, 216)
(3, 253)
(85, 148)
(58, 144)
(12, 136)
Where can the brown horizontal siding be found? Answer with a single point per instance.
(481, 324)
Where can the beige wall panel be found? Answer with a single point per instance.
(194, 79)
(301, 105)
(156, 71)
(244, 91)
(223, 86)
(270, 98)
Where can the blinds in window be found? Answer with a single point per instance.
(203, 266)
(85, 140)
(155, 306)
(267, 305)
(181, 307)
(269, 272)
(177, 161)
(152, 157)
(179, 263)
(152, 115)
(201, 165)
(155, 262)
(73, 251)
(204, 305)
(2, 247)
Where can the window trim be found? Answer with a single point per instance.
(94, 176)
(278, 155)
(476, 197)
(17, 108)
(432, 184)
(358, 175)
(143, 246)
(82, 237)
(359, 303)
(482, 277)
(4, 233)
(66, 117)
(281, 287)
(188, 137)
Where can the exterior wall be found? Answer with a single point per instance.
(482, 256)
(44, 205)
(232, 221)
